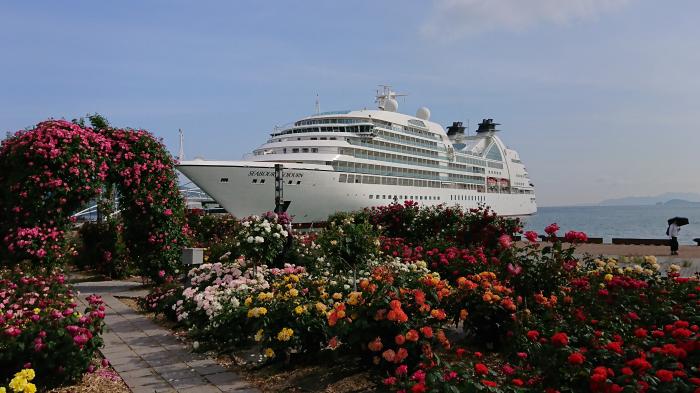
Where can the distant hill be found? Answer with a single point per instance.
(686, 197)
(681, 203)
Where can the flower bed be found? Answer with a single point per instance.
(455, 308)
(42, 328)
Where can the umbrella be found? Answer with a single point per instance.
(680, 221)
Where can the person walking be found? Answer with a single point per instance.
(672, 232)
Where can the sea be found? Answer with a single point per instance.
(617, 221)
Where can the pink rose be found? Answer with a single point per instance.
(505, 241)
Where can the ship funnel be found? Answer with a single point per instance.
(455, 129)
(487, 125)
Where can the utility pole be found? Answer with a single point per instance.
(279, 188)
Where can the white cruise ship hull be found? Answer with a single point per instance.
(245, 188)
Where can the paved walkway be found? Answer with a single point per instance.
(148, 357)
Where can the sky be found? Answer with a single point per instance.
(601, 98)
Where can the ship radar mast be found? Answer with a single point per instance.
(386, 99)
(181, 152)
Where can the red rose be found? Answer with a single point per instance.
(427, 331)
(640, 332)
(531, 236)
(576, 358)
(489, 383)
(664, 375)
(560, 339)
(481, 369)
(551, 229)
(614, 346)
(533, 335)
(419, 388)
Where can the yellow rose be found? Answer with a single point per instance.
(299, 310)
(259, 335)
(269, 353)
(285, 334)
(30, 388)
(354, 298)
(248, 301)
(37, 311)
(2, 390)
(320, 307)
(608, 277)
(293, 292)
(28, 374)
(18, 383)
(337, 296)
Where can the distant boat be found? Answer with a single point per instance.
(348, 160)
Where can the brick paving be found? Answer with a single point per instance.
(148, 357)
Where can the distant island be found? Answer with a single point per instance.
(669, 198)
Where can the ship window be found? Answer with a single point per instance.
(224, 180)
(255, 181)
(371, 196)
(332, 138)
(289, 182)
(284, 150)
(305, 150)
(298, 182)
(313, 139)
(343, 178)
(314, 150)
(323, 138)
(262, 181)
(377, 196)
(295, 150)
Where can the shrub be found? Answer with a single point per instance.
(262, 239)
(102, 249)
(42, 327)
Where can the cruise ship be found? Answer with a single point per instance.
(349, 160)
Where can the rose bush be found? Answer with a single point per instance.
(459, 308)
(42, 327)
(50, 171)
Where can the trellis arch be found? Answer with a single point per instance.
(50, 171)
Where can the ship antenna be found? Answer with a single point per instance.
(317, 108)
(181, 153)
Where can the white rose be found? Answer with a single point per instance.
(259, 239)
(195, 345)
(276, 235)
(250, 239)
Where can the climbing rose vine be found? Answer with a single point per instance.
(50, 171)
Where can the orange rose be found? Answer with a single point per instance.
(412, 335)
(389, 355)
(376, 345)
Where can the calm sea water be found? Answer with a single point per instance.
(617, 221)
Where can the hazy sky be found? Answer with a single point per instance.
(600, 97)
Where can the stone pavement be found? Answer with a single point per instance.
(148, 357)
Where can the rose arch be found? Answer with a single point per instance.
(50, 171)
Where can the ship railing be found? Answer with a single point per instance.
(373, 146)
